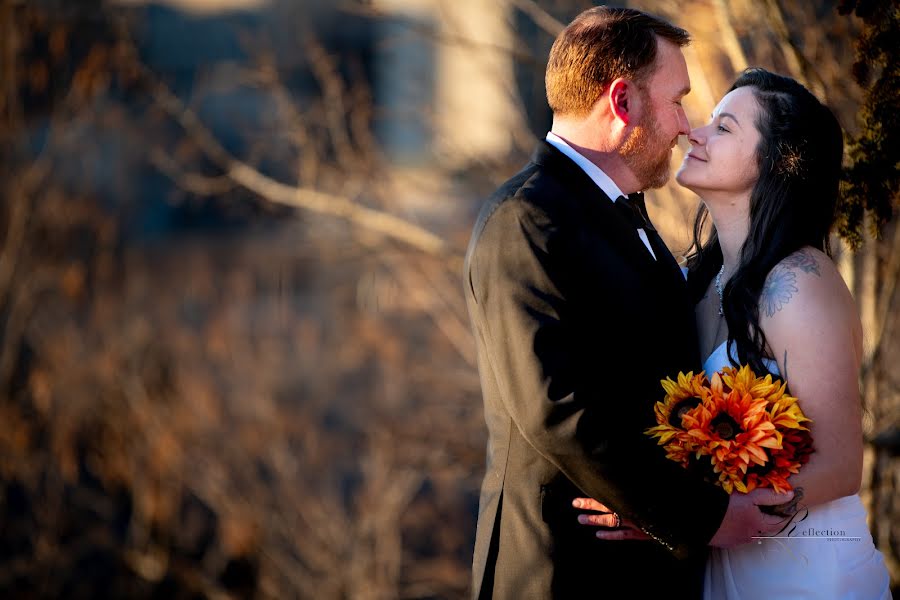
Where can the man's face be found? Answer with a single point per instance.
(648, 148)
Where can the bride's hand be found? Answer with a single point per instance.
(621, 529)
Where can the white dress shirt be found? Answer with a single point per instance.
(607, 185)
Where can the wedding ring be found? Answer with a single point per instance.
(618, 520)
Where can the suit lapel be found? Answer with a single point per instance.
(600, 207)
(667, 261)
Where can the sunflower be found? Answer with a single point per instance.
(734, 429)
(784, 409)
(785, 413)
(682, 396)
(745, 381)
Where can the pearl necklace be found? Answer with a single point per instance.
(720, 289)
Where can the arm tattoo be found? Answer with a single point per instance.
(778, 289)
(789, 510)
(790, 507)
(803, 260)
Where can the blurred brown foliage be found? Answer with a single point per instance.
(209, 415)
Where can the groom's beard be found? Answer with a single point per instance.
(647, 153)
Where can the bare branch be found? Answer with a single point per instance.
(309, 199)
(699, 79)
(730, 42)
(19, 208)
(541, 18)
(201, 185)
(333, 93)
(886, 318)
(453, 39)
(297, 130)
(23, 304)
(428, 298)
(797, 63)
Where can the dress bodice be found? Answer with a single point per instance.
(719, 359)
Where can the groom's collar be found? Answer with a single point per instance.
(596, 174)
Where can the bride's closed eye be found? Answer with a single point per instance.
(722, 128)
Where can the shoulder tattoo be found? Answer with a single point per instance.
(781, 284)
(777, 291)
(803, 260)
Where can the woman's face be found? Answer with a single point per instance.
(723, 152)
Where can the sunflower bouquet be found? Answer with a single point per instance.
(740, 431)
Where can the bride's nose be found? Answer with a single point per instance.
(696, 137)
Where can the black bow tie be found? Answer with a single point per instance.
(634, 209)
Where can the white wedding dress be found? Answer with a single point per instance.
(827, 555)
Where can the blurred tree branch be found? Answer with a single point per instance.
(539, 16)
(274, 191)
(798, 64)
(298, 197)
(731, 44)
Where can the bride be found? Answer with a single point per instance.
(767, 169)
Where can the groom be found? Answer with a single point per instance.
(578, 311)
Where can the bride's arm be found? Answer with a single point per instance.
(812, 326)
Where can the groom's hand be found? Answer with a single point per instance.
(744, 520)
(621, 529)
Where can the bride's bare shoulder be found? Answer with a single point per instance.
(806, 285)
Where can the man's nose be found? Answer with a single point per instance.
(684, 124)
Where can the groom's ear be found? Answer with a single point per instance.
(621, 99)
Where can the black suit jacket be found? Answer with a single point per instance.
(575, 324)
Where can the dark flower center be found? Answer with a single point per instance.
(725, 426)
(679, 410)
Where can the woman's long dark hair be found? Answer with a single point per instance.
(792, 204)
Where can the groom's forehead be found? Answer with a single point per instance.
(671, 73)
